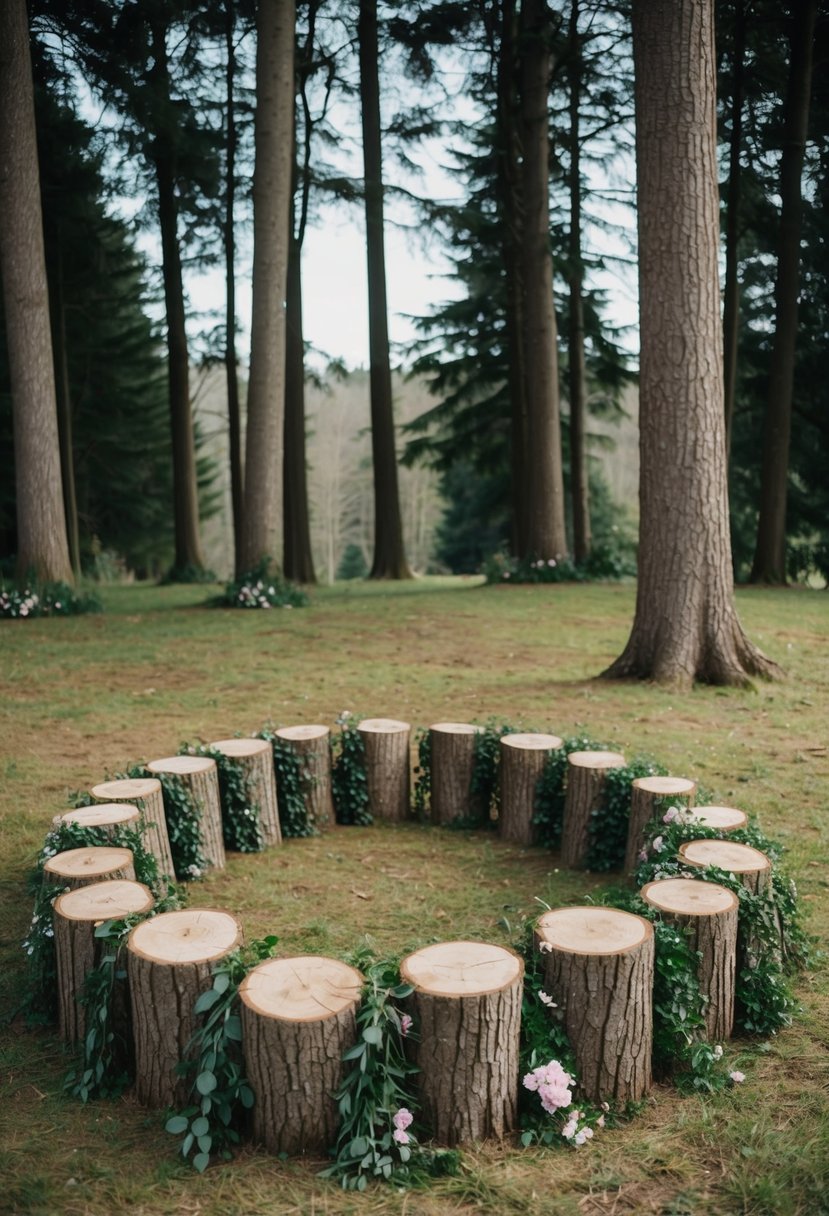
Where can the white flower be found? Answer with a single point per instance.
(551, 562)
(658, 844)
(737, 1077)
(547, 1000)
(718, 1052)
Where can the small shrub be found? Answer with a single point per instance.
(31, 599)
(262, 587)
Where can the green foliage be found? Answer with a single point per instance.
(422, 793)
(484, 790)
(292, 777)
(33, 598)
(549, 792)
(608, 827)
(262, 587)
(606, 561)
(183, 814)
(348, 773)
(241, 826)
(352, 563)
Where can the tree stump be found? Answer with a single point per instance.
(146, 793)
(311, 746)
(298, 1017)
(386, 742)
(452, 748)
(108, 816)
(77, 950)
(723, 818)
(709, 914)
(522, 762)
(586, 773)
(598, 968)
(466, 1007)
(200, 775)
(96, 863)
(646, 791)
(749, 865)
(254, 757)
(169, 966)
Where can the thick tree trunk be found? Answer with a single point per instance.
(389, 556)
(731, 291)
(522, 762)
(77, 868)
(598, 966)
(723, 818)
(298, 561)
(298, 1018)
(386, 743)
(770, 553)
(64, 406)
(466, 1008)
(145, 793)
(200, 776)
(586, 772)
(274, 126)
(109, 817)
(234, 416)
(577, 377)
(686, 626)
(311, 744)
(645, 793)
(254, 758)
(749, 865)
(42, 546)
(452, 752)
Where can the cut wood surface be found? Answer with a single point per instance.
(169, 966)
(522, 760)
(76, 915)
(78, 867)
(386, 743)
(200, 775)
(466, 1007)
(752, 867)
(298, 1017)
(645, 794)
(723, 818)
(452, 764)
(708, 913)
(146, 793)
(586, 773)
(598, 969)
(106, 815)
(255, 759)
(311, 744)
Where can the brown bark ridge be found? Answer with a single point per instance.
(731, 287)
(255, 758)
(298, 1018)
(466, 1007)
(723, 818)
(645, 792)
(311, 746)
(577, 370)
(386, 743)
(685, 627)
(109, 816)
(144, 792)
(42, 545)
(708, 913)
(582, 798)
(452, 750)
(522, 760)
(64, 405)
(200, 776)
(76, 916)
(598, 968)
(97, 863)
(749, 865)
(169, 966)
(298, 559)
(234, 413)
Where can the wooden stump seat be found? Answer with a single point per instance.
(645, 793)
(452, 748)
(146, 792)
(109, 816)
(723, 818)
(298, 1017)
(522, 760)
(586, 772)
(466, 1008)
(254, 757)
(386, 743)
(311, 744)
(95, 863)
(201, 778)
(748, 864)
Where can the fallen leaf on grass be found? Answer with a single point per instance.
(359, 894)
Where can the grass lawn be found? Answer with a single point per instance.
(81, 697)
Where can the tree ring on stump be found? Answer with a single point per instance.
(103, 815)
(307, 988)
(725, 855)
(722, 818)
(236, 749)
(597, 759)
(532, 742)
(461, 969)
(688, 897)
(89, 864)
(110, 900)
(182, 766)
(665, 787)
(192, 935)
(592, 930)
(456, 728)
(383, 726)
(293, 733)
(127, 788)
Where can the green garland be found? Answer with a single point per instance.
(183, 817)
(549, 792)
(241, 826)
(608, 827)
(422, 792)
(292, 777)
(484, 789)
(348, 773)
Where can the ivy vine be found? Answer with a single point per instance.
(422, 791)
(348, 773)
(241, 826)
(608, 826)
(549, 791)
(292, 776)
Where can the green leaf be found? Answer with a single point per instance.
(373, 1034)
(176, 1125)
(200, 1126)
(206, 1001)
(206, 1082)
(354, 1052)
(221, 982)
(201, 1161)
(233, 1028)
(358, 1147)
(205, 1143)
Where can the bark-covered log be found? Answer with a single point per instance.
(312, 747)
(76, 915)
(723, 818)
(254, 758)
(466, 1007)
(644, 795)
(298, 1017)
(522, 762)
(708, 913)
(749, 865)
(169, 962)
(200, 776)
(452, 752)
(386, 742)
(109, 816)
(586, 773)
(97, 863)
(598, 969)
(144, 792)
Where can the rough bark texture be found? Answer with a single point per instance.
(41, 528)
(750, 866)
(685, 627)
(145, 793)
(298, 1017)
(255, 758)
(169, 962)
(452, 748)
(386, 742)
(64, 406)
(311, 744)
(583, 795)
(724, 818)
(200, 776)
(108, 816)
(577, 372)
(598, 968)
(234, 413)
(522, 762)
(77, 950)
(731, 289)
(645, 793)
(466, 1008)
(77, 868)
(298, 560)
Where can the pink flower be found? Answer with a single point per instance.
(405, 1024)
(400, 1136)
(658, 844)
(642, 856)
(670, 815)
(403, 1119)
(600, 1121)
(737, 1077)
(569, 1129)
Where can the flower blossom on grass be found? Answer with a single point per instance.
(552, 1084)
(737, 1077)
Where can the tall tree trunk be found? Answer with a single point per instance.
(42, 545)
(188, 555)
(64, 406)
(686, 625)
(546, 535)
(298, 561)
(274, 125)
(770, 552)
(233, 410)
(731, 292)
(389, 556)
(579, 486)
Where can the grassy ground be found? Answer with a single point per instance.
(81, 697)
